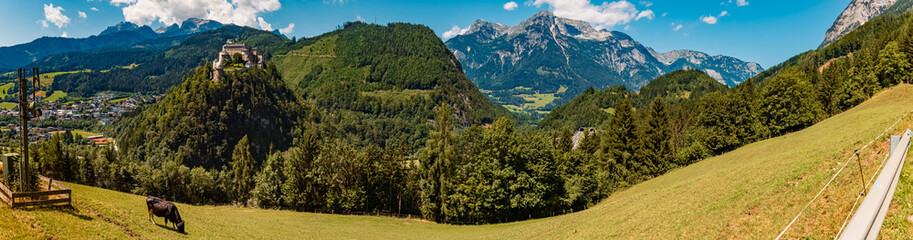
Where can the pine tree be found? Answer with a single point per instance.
(268, 191)
(621, 143)
(565, 141)
(299, 188)
(435, 163)
(657, 148)
(243, 172)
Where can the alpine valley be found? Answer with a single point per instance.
(545, 61)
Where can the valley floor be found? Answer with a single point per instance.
(750, 193)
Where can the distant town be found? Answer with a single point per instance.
(101, 109)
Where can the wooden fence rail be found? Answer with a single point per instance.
(10, 197)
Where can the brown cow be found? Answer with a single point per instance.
(162, 208)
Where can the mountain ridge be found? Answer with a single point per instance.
(546, 53)
(122, 34)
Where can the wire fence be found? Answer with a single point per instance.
(843, 166)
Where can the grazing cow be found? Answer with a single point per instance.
(165, 209)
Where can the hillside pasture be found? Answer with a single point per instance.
(55, 96)
(750, 193)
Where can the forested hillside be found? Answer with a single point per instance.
(678, 86)
(380, 84)
(108, 58)
(593, 108)
(590, 109)
(199, 122)
(23, 54)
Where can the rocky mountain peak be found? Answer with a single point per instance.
(145, 31)
(856, 14)
(547, 21)
(191, 25)
(488, 28)
(543, 13)
(123, 26)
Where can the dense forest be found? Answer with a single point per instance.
(272, 138)
(198, 122)
(380, 84)
(593, 108)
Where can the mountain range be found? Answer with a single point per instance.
(123, 34)
(545, 61)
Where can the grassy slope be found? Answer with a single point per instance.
(55, 96)
(749, 193)
(8, 105)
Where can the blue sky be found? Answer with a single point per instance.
(763, 31)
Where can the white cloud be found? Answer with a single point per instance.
(510, 6)
(94, 9)
(714, 19)
(360, 19)
(265, 26)
(742, 3)
(340, 2)
(287, 30)
(664, 14)
(238, 12)
(646, 3)
(627, 27)
(82, 14)
(455, 31)
(645, 14)
(64, 35)
(677, 27)
(54, 15)
(44, 23)
(119, 2)
(606, 15)
(709, 19)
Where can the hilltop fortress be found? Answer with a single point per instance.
(234, 54)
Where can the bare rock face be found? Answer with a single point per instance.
(856, 14)
(549, 54)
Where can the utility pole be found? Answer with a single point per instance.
(23, 132)
(25, 109)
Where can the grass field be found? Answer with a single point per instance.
(85, 134)
(750, 193)
(55, 96)
(5, 89)
(8, 105)
(536, 100)
(48, 78)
